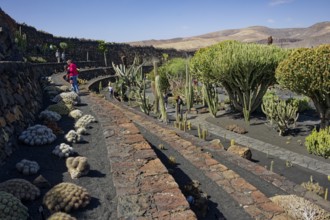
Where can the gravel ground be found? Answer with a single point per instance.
(98, 182)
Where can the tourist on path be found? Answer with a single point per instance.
(73, 75)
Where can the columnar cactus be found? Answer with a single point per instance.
(189, 90)
(282, 112)
(161, 100)
(211, 97)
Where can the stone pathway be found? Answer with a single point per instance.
(269, 149)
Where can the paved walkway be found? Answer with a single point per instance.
(272, 150)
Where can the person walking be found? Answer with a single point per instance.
(179, 104)
(166, 100)
(57, 55)
(63, 56)
(72, 74)
(110, 91)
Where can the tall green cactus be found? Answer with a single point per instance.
(211, 97)
(156, 94)
(161, 100)
(189, 90)
(282, 112)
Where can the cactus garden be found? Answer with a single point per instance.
(230, 131)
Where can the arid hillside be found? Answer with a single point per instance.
(285, 37)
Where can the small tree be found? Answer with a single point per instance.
(307, 71)
(104, 49)
(245, 71)
(63, 46)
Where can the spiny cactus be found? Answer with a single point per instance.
(77, 166)
(160, 100)
(281, 112)
(211, 97)
(66, 197)
(189, 90)
(11, 207)
(22, 189)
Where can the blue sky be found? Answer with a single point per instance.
(133, 20)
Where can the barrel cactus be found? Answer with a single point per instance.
(61, 216)
(27, 167)
(84, 121)
(22, 189)
(63, 150)
(77, 166)
(66, 197)
(37, 135)
(11, 207)
(76, 114)
(49, 115)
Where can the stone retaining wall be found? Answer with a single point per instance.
(21, 98)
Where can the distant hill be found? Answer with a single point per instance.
(314, 35)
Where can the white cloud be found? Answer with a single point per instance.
(270, 20)
(279, 2)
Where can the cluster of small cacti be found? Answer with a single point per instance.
(37, 135)
(61, 108)
(27, 167)
(77, 166)
(11, 207)
(64, 88)
(66, 197)
(73, 137)
(236, 128)
(20, 188)
(313, 187)
(84, 121)
(202, 133)
(76, 114)
(281, 112)
(49, 115)
(63, 150)
(52, 90)
(68, 98)
(172, 160)
(61, 216)
(82, 81)
(81, 131)
(299, 208)
(54, 126)
(161, 147)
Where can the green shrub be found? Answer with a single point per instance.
(303, 103)
(318, 142)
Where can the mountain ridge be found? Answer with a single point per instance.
(316, 34)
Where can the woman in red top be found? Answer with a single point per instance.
(73, 75)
